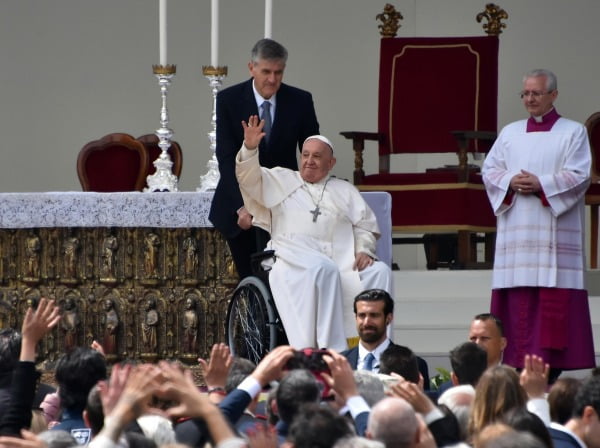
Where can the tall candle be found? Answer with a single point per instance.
(268, 18)
(214, 33)
(162, 34)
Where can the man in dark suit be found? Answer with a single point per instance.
(288, 112)
(374, 311)
(583, 429)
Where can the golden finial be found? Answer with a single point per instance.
(390, 21)
(494, 14)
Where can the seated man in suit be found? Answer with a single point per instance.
(323, 234)
(374, 311)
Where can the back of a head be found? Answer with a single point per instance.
(520, 419)
(316, 426)
(587, 395)
(76, 373)
(459, 400)
(157, 428)
(497, 392)
(296, 388)
(270, 50)
(514, 439)
(468, 361)
(393, 421)
(401, 360)
(561, 399)
(370, 387)
(358, 442)
(240, 369)
(57, 439)
(10, 348)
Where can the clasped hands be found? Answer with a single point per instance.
(525, 183)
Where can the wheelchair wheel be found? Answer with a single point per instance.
(252, 321)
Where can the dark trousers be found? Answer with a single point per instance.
(243, 245)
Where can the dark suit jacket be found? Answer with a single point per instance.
(295, 120)
(352, 357)
(561, 439)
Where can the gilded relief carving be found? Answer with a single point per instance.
(141, 293)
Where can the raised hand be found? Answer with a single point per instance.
(253, 133)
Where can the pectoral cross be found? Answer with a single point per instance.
(316, 212)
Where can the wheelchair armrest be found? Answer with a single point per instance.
(256, 260)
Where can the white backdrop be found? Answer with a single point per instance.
(74, 70)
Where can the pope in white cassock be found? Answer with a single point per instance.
(323, 234)
(536, 175)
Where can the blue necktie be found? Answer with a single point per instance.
(369, 359)
(266, 106)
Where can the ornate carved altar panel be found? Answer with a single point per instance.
(142, 273)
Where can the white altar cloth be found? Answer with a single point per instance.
(89, 209)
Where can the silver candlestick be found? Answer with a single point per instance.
(215, 75)
(163, 179)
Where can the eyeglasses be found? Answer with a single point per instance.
(533, 93)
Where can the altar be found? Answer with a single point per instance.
(144, 274)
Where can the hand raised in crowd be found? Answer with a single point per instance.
(253, 131)
(28, 440)
(263, 437)
(341, 379)
(272, 365)
(413, 394)
(179, 386)
(134, 387)
(534, 376)
(217, 368)
(36, 324)
(98, 347)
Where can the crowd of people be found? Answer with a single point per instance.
(301, 398)
(504, 389)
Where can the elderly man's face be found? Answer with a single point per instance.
(485, 333)
(267, 76)
(316, 160)
(536, 97)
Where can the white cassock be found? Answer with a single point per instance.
(539, 245)
(312, 280)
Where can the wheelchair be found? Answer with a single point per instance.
(253, 325)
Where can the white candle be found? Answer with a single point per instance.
(268, 18)
(162, 34)
(214, 33)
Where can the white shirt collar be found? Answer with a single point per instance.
(259, 100)
(362, 353)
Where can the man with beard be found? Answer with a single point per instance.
(374, 311)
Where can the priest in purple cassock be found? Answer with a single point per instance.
(536, 175)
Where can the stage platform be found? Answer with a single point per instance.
(434, 309)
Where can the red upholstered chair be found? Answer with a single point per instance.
(592, 195)
(116, 162)
(436, 95)
(150, 141)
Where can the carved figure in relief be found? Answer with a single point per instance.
(150, 326)
(190, 325)
(190, 248)
(32, 254)
(109, 245)
(110, 323)
(69, 323)
(151, 242)
(70, 248)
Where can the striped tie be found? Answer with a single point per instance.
(369, 359)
